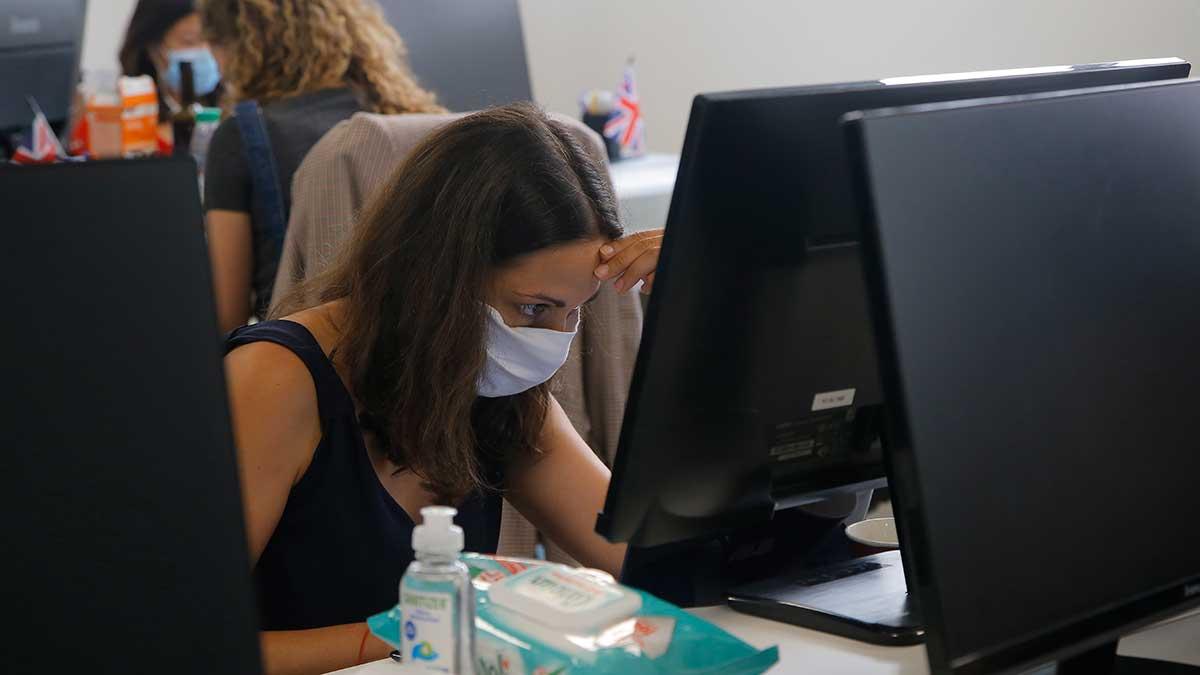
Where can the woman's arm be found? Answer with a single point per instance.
(276, 429)
(276, 426)
(320, 650)
(561, 490)
(231, 253)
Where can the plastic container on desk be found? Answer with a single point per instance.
(207, 120)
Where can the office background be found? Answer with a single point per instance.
(688, 46)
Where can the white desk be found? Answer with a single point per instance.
(807, 651)
(643, 188)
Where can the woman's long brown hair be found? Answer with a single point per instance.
(275, 49)
(477, 194)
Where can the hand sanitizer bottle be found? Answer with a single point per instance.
(437, 601)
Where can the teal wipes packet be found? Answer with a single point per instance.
(538, 618)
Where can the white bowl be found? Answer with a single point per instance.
(876, 532)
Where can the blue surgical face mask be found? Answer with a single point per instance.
(205, 73)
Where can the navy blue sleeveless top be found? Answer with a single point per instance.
(343, 542)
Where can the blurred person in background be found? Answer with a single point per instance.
(302, 66)
(161, 35)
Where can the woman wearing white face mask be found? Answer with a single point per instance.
(420, 379)
(161, 35)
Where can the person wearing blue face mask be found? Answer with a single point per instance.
(161, 35)
(206, 74)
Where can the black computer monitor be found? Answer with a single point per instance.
(1035, 275)
(124, 547)
(39, 57)
(756, 386)
(471, 53)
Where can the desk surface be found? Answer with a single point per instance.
(643, 187)
(641, 176)
(807, 651)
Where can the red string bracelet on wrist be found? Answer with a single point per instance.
(362, 645)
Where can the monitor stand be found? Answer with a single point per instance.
(864, 599)
(797, 569)
(1103, 660)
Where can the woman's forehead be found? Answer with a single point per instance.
(188, 28)
(565, 272)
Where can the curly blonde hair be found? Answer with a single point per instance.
(276, 49)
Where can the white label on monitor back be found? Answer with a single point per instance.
(833, 399)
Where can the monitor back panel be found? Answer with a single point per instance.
(125, 548)
(757, 380)
(1036, 282)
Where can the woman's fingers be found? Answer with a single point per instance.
(648, 284)
(630, 259)
(641, 267)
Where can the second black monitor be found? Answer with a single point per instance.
(757, 384)
(1038, 329)
(471, 53)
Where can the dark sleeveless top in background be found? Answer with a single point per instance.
(343, 542)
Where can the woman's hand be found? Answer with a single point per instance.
(631, 259)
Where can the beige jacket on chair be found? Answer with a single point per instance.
(332, 186)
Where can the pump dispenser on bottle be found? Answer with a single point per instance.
(437, 633)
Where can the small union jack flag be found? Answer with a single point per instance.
(46, 148)
(626, 125)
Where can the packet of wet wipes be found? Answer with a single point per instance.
(538, 618)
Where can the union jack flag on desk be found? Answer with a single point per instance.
(46, 148)
(626, 125)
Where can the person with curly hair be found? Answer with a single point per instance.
(293, 69)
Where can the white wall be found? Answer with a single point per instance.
(103, 32)
(684, 47)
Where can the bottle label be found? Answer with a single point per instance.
(427, 637)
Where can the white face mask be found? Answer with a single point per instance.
(519, 359)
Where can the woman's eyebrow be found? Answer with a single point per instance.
(538, 296)
(555, 301)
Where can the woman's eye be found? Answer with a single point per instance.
(532, 311)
